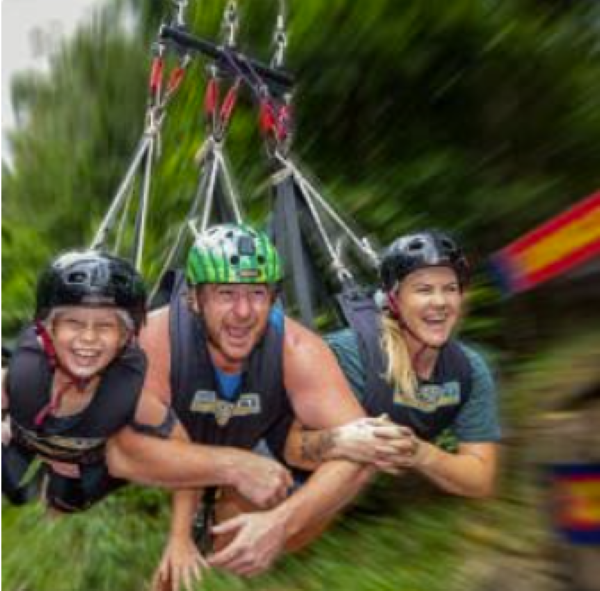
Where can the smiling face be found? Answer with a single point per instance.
(235, 316)
(86, 340)
(429, 301)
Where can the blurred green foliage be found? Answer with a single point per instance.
(481, 117)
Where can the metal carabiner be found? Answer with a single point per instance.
(181, 7)
(280, 42)
(231, 23)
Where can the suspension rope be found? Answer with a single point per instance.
(148, 148)
(187, 223)
(362, 244)
(337, 265)
(275, 122)
(230, 188)
(140, 227)
(117, 202)
(210, 192)
(124, 216)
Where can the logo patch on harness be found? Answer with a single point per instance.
(208, 403)
(430, 397)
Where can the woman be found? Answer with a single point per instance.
(409, 369)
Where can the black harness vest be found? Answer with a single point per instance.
(437, 401)
(208, 417)
(81, 438)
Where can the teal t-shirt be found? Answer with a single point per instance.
(477, 420)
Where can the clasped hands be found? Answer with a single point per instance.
(378, 441)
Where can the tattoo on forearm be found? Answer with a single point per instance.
(315, 446)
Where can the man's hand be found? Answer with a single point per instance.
(259, 540)
(262, 481)
(181, 564)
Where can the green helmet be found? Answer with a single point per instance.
(233, 253)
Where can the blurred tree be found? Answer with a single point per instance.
(77, 126)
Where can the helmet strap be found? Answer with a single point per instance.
(393, 306)
(47, 344)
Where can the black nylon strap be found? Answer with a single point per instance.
(162, 431)
(288, 240)
(358, 308)
(204, 521)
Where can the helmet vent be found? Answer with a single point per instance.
(77, 277)
(234, 260)
(416, 245)
(261, 259)
(246, 246)
(120, 280)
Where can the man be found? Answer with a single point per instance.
(230, 364)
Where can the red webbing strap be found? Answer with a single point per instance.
(156, 74)
(50, 351)
(229, 103)
(283, 123)
(52, 405)
(267, 118)
(175, 79)
(275, 119)
(211, 98)
(47, 344)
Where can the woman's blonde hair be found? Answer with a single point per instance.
(399, 372)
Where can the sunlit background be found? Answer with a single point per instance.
(478, 116)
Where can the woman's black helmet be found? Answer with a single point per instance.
(429, 248)
(91, 278)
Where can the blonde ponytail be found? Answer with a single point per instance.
(399, 371)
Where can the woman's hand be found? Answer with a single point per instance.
(368, 441)
(409, 451)
(181, 564)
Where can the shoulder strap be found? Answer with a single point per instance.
(172, 284)
(454, 362)
(189, 353)
(29, 378)
(116, 401)
(358, 308)
(362, 314)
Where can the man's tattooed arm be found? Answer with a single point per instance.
(316, 446)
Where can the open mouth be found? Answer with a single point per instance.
(437, 326)
(237, 334)
(436, 321)
(85, 357)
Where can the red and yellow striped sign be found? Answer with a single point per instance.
(564, 242)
